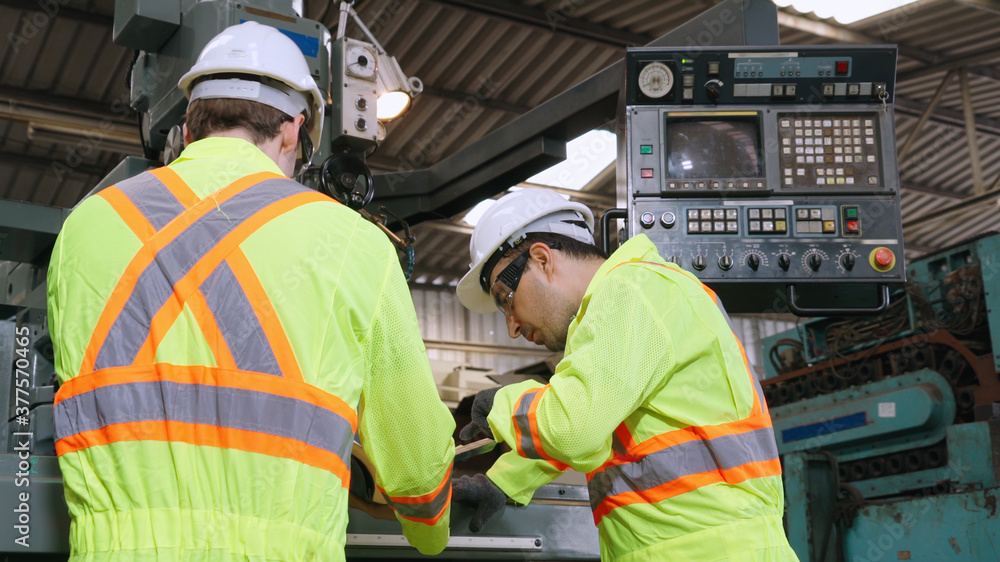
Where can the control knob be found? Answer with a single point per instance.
(753, 261)
(815, 261)
(847, 260)
(699, 262)
(712, 91)
(725, 262)
(784, 262)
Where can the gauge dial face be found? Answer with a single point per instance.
(361, 62)
(656, 80)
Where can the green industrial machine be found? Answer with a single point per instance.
(889, 427)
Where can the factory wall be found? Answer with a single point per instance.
(445, 325)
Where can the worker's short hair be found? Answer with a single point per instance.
(569, 246)
(215, 115)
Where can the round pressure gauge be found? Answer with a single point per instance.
(655, 80)
(360, 62)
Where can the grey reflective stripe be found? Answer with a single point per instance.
(685, 459)
(756, 385)
(758, 390)
(521, 418)
(155, 283)
(152, 198)
(234, 408)
(616, 444)
(426, 510)
(240, 327)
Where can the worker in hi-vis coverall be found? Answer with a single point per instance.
(653, 400)
(222, 333)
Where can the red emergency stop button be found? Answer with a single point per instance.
(882, 259)
(842, 67)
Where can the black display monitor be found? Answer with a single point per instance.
(713, 147)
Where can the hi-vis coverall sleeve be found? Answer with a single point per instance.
(519, 477)
(405, 429)
(618, 354)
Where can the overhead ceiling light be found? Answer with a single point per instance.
(393, 88)
(844, 11)
(586, 156)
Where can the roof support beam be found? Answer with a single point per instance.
(952, 63)
(915, 133)
(927, 190)
(947, 117)
(18, 159)
(991, 6)
(917, 223)
(556, 21)
(61, 11)
(487, 103)
(970, 131)
(118, 112)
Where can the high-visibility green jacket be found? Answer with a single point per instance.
(655, 401)
(221, 333)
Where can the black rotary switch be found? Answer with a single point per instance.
(753, 261)
(726, 263)
(784, 262)
(699, 262)
(815, 261)
(847, 260)
(712, 92)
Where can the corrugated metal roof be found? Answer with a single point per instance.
(482, 69)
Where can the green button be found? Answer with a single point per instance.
(852, 212)
(646, 149)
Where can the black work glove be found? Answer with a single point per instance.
(481, 406)
(480, 492)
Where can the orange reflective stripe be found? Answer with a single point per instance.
(266, 314)
(181, 190)
(625, 437)
(187, 285)
(686, 484)
(144, 230)
(210, 329)
(145, 255)
(528, 442)
(210, 436)
(197, 374)
(133, 218)
(427, 508)
(685, 435)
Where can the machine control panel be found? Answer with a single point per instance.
(765, 167)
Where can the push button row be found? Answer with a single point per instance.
(714, 221)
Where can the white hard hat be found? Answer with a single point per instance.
(505, 224)
(255, 49)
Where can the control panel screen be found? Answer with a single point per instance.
(713, 147)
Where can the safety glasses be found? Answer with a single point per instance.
(506, 282)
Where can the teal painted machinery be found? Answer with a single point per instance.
(889, 427)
